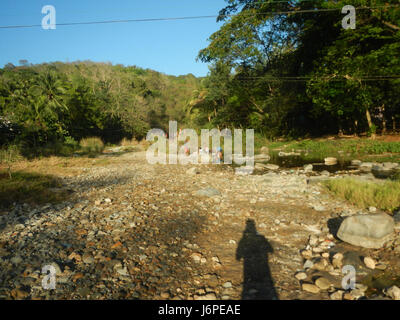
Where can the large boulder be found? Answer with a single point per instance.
(381, 171)
(367, 230)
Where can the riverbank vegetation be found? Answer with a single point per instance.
(364, 194)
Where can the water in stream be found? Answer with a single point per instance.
(298, 161)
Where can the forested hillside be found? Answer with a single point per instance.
(290, 68)
(58, 102)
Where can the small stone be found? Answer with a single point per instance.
(361, 287)
(319, 208)
(308, 264)
(310, 288)
(307, 254)
(107, 200)
(357, 293)
(196, 257)
(372, 209)
(123, 271)
(348, 296)
(201, 292)
(87, 258)
(337, 263)
(227, 284)
(301, 276)
(209, 296)
(330, 161)
(338, 256)
(321, 265)
(337, 295)
(313, 241)
(356, 162)
(381, 266)
(369, 262)
(164, 295)
(393, 292)
(323, 283)
(325, 255)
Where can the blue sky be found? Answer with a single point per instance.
(167, 46)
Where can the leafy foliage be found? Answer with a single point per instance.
(281, 72)
(49, 103)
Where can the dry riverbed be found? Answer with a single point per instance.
(131, 230)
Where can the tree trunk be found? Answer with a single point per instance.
(340, 133)
(370, 124)
(383, 120)
(394, 124)
(355, 127)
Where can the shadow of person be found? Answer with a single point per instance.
(253, 248)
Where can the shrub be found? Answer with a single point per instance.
(128, 143)
(92, 145)
(8, 156)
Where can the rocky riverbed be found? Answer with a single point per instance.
(131, 230)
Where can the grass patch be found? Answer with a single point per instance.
(92, 146)
(343, 149)
(26, 187)
(363, 194)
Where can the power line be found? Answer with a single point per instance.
(192, 17)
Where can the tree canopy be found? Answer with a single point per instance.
(58, 100)
(284, 65)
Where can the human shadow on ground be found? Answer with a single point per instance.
(253, 248)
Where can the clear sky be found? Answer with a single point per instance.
(170, 47)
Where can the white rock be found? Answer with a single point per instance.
(369, 262)
(301, 276)
(337, 295)
(393, 292)
(308, 264)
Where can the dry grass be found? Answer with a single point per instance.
(385, 195)
(128, 143)
(92, 146)
(60, 166)
(33, 181)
